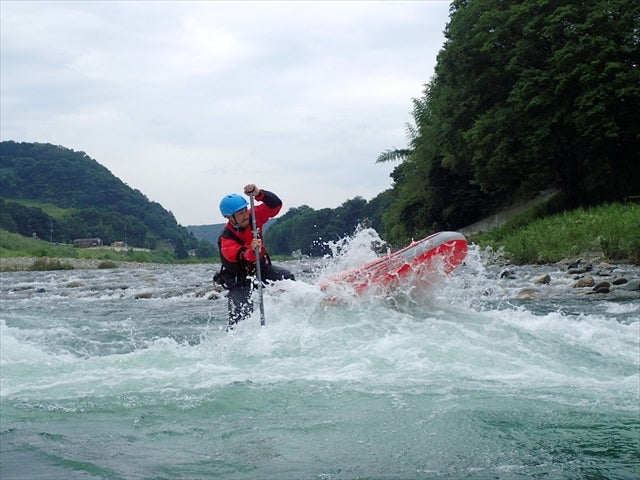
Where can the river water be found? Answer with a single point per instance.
(129, 373)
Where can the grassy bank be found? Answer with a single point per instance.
(13, 245)
(609, 231)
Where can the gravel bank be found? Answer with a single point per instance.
(14, 264)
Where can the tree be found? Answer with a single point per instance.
(90, 198)
(573, 74)
(180, 250)
(206, 249)
(526, 94)
(308, 230)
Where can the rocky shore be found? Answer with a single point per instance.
(16, 264)
(584, 275)
(590, 276)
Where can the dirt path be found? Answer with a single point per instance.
(500, 218)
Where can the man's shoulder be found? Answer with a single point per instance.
(230, 234)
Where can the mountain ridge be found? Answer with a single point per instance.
(81, 198)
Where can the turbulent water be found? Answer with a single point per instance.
(130, 373)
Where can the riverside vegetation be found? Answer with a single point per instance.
(25, 253)
(526, 96)
(610, 231)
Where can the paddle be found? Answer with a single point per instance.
(257, 252)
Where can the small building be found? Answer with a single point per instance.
(87, 242)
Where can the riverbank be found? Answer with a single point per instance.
(610, 232)
(607, 233)
(587, 275)
(16, 264)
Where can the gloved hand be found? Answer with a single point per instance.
(251, 189)
(249, 255)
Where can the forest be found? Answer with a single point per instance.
(527, 95)
(58, 195)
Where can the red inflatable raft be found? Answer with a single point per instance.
(440, 252)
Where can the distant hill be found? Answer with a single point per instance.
(59, 195)
(210, 233)
(206, 232)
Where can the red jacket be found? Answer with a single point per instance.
(234, 241)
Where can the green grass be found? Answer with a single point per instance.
(611, 231)
(48, 208)
(14, 245)
(44, 263)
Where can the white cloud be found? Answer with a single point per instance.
(186, 101)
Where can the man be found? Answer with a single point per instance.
(237, 247)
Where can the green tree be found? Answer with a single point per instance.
(526, 93)
(206, 249)
(180, 250)
(565, 115)
(96, 202)
(308, 230)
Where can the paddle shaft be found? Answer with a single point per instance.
(258, 266)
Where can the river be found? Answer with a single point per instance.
(130, 373)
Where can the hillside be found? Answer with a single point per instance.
(208, 233)
(58, 194)
(525, 96)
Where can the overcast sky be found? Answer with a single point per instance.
(188, 101)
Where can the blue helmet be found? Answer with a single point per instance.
(231, 204)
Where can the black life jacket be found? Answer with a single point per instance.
(232, 274)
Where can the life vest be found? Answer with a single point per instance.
(232, 274)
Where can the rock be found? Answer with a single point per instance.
(604, 269)
(602, 287)
(542, 279)
(116, 287)
(603, 273)
(508, 274)
(140, 295)
(74, 284)
(633, 285)
(586, 281)
(209, 293)
(579, 270)
(602, 290)
(528, 294)
(619, 281)
(577, 267)
(575, 264)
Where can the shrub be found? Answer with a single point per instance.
(44, 263)
(107, 264)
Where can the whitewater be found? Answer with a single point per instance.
(130, 373)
